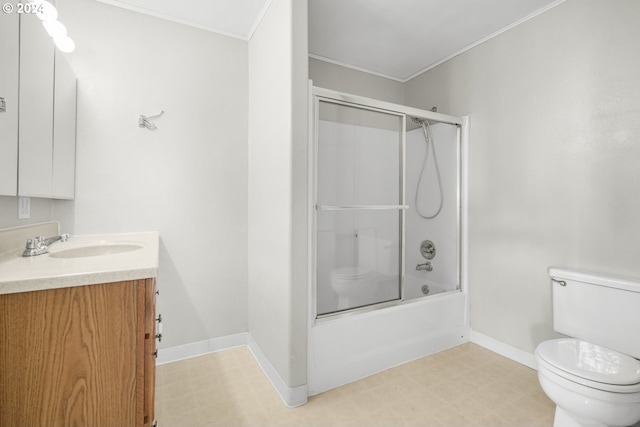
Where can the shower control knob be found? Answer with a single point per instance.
(428, 249)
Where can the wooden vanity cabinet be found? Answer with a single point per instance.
(81, 356)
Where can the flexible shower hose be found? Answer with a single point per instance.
(428, 138)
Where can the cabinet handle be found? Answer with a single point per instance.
(159, 337)
(155, 353)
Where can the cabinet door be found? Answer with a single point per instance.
(9, 52)
(69, 356)
(36, 109)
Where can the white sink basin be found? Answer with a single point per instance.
(90, 250)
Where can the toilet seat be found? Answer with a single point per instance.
(590, 365)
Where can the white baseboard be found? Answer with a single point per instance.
(515, 354)
(291, 397)
(186, 351)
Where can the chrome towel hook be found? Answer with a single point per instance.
(144, 121)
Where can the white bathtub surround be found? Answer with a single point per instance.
(353, 347)
(443, 229)
(356, 225)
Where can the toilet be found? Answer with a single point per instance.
(355, 286)
(593, 375)
(364, 283)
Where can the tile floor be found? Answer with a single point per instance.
(464, 386)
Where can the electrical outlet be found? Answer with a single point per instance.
(24, 207)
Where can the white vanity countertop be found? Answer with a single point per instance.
(55, 270)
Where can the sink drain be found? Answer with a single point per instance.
(425, 289)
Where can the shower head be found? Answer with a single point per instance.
(419, 121)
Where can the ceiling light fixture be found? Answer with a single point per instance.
(48, 14)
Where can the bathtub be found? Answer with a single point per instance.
(345, 349)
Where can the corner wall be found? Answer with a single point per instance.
(277, 196)
(553, 152)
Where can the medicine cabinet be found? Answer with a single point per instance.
(37, 112)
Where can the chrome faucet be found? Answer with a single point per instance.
(39, 245)
(426, 266)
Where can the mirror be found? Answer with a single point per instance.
(9, 75)
(37, 130)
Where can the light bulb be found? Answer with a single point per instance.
(65, 44)
(47, 12)
(55, 28)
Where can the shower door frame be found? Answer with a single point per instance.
(339, 98)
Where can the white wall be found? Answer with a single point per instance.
(187, 179)
(554, 155)
(277, 104)
(332, 76)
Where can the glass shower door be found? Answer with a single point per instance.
(359, 206)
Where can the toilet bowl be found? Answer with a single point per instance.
(593, 376)
(365, 283)
(355, 286)
(591, 385)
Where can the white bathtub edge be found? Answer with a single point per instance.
(354, 347)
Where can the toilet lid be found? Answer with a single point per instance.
(590, 361)
(351, 273)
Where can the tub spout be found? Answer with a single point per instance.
(426, 266)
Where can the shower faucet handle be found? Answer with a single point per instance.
(428, 249)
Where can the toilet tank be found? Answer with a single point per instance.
(604, 310)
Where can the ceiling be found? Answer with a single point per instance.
(235, 18)
(397, 39)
